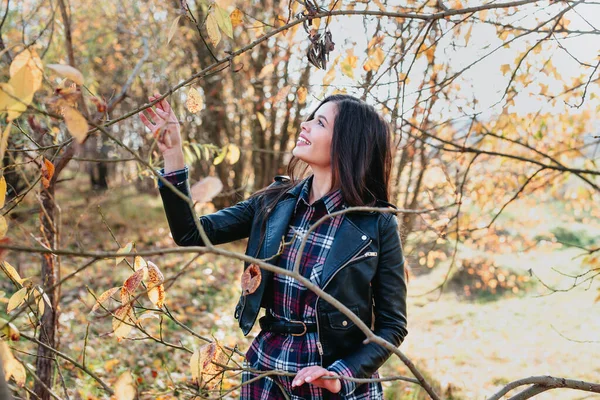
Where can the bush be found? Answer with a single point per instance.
(482, 278)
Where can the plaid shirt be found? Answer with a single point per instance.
(290, 300)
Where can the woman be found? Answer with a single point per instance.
(355, 257)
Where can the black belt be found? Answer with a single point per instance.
(294, 328)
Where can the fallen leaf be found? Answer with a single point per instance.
(125, 387)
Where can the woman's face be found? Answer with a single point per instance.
(313, 145)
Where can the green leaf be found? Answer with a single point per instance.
(223, 20)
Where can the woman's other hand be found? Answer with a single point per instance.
(313, 376)
(163, 124)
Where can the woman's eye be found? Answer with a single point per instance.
(320, 123)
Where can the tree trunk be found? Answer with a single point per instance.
(50, 275)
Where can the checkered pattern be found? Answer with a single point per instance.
(292, 301)
(174, 177)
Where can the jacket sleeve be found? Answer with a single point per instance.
(223, 226)
(389, 294)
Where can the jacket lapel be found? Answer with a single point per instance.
(279, 221)
(349, 240)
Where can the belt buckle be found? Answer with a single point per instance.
(299, 334)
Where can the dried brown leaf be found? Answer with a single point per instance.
(251, 279)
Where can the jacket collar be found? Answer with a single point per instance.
(352, 235)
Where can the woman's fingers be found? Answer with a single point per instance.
(306, 375)
(157, 119)
(316, 374)
(146, 122)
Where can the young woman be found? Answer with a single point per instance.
(356, 257)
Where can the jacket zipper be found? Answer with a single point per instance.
(354, 258)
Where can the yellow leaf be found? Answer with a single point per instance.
(103, 297)
(29, 59)
(12, 273)
(156, 292)
(2, 191)
(212, 27)
(157, 295)
(154, 275)
(8, 101)
(76, 123)
(123, 322)
(236, 17)
(233, 153)
(381, 7)
(17, 299)
(123, 250)
(375, 60)
(349, 64)
(22, 82)
(68, 72)
(3, 226)
(483, 14)
(195, 365)
(505, 68)
(262, 120)
(203, 365)
(173, 29)
(266, 70)
(138, 263)
(9, 330)
(430, 54)
(18, 372)
(301, 93)
(223, 20)
(4, 141)
(110, 364)
(468, 34)
(125, 387)
(194, 102)
(329, 76)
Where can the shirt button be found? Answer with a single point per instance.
(364, 237)
(344, 323)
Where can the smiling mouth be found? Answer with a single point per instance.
(302, 140)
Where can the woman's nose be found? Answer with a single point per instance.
(304, 125)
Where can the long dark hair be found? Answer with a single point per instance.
(361, 155)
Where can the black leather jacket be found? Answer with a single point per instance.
(364, 271)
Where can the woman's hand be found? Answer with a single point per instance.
(163, 124)
(313, 376)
